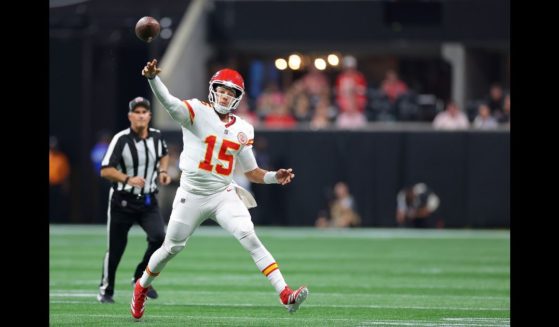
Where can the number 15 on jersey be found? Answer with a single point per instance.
(222, 155)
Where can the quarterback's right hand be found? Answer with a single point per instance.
(284, 176)
(150, 69)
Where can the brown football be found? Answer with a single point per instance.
(147, 29)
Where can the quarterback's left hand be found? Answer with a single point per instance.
(284, 176)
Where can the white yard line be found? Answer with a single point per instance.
(93, 295)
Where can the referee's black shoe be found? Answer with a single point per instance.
(152, 293)
(104, 298)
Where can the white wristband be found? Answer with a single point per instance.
(270, 178)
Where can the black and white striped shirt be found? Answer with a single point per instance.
(136, 157)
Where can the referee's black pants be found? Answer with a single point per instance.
(119, 221)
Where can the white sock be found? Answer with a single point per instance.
(155, 265)
(276, 278)
(264, 261)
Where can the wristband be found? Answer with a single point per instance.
(126, 180)
(270, 178)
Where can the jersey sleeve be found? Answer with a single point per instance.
(177, 109)
(114, 152)
(246, 156)
(247, 160)
(250, 136)
(190, 107)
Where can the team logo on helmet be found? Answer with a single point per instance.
(242, 137)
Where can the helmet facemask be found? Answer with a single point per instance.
(214, 97)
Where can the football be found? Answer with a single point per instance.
(147, 29)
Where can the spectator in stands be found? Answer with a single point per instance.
(295, 90)
(59, 182)
(245, 113)
(496, 99)
(504, 118)
(351, 118)
(416, 205)
(484, 120)
(280, 117)
(302, 108)
(342, 210)
(315, 84)
(350, 84)
(321, 116)
(268, 100)
(392, 86)
(451, 119)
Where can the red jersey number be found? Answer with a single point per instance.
(222, 155)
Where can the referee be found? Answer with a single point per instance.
(135, 159)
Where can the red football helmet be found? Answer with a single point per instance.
(232, 80)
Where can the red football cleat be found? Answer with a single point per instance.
(292, 299)
(138, 300)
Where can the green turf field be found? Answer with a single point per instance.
(359, 277)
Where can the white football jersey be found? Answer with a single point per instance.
(211, 148)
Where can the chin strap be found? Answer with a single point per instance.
(222, 110)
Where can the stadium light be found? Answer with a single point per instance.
(320, 64)
(281, 64)
(166, 22)
(294, 61)
(333, 60)
(166, 33)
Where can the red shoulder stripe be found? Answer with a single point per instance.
(190, 112)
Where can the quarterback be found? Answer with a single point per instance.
(214, 141)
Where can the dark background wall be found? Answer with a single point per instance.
(470, 171)
(357, 25)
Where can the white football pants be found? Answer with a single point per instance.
(227, 209)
